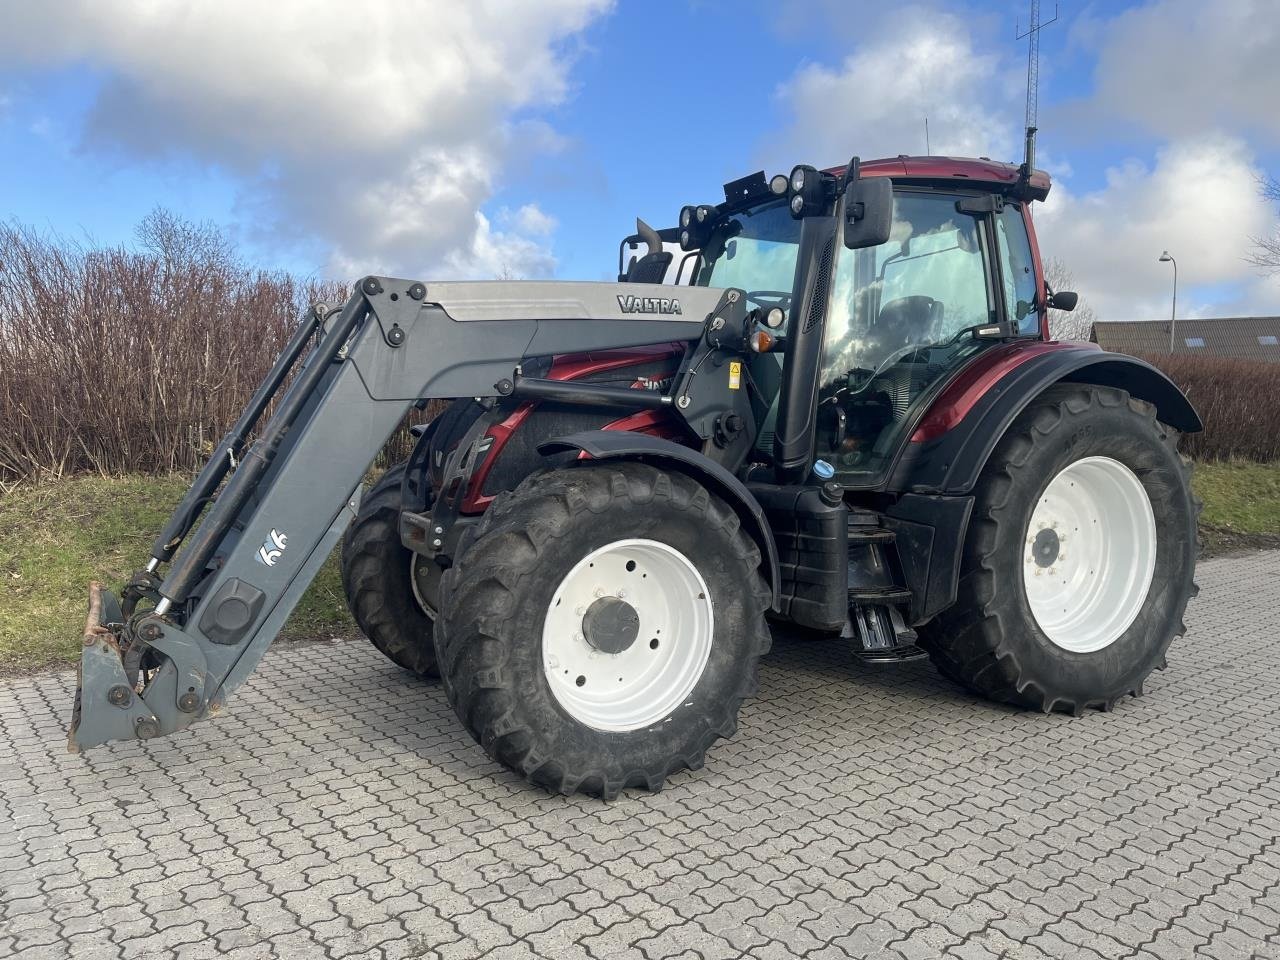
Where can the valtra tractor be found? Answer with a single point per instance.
(839, 409)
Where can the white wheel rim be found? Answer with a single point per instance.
(643, 683)
(425, 607)
(1089, 554)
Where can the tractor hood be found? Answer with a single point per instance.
(572, 300)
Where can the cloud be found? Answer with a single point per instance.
(1177, 67)
(914, 64)
(377, 129)
(530, 219)
(1199, 201)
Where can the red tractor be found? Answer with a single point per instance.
(845, 414)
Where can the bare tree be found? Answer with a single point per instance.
(1266, 250)
(1076, 325)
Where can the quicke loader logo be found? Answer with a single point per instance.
(632, 304)
(272, 548)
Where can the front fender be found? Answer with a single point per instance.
(622, 445)
(947, 454)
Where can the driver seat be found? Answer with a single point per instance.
(909, 320)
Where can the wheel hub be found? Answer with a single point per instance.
(1045, 547)
(611, 625)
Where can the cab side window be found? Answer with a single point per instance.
(1017, 267)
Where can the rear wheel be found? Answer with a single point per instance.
(602, 627)
(1080, 557)
(385, 583)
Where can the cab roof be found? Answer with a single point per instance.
(980, 170)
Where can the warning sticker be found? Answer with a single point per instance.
(735, 375)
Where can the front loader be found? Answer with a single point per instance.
(840, 410)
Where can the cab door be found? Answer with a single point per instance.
(900, 322)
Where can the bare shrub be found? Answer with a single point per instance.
(1239, 401)
(117, 360)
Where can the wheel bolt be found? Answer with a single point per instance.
(622, 594)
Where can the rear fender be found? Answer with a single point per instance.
(949, 460)
(620, 445)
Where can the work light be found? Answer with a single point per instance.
(807, 191)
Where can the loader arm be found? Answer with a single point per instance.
(235, 578)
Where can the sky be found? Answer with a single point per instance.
(443, 139)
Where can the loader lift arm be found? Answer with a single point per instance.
(234, 581)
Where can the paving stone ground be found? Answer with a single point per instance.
(338, 810)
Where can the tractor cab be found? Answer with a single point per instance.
(897, 315)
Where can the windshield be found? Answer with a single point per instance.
(754, 250)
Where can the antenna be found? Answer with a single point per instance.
(927, 151)
(1032, 36)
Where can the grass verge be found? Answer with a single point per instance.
(1241, 505)
(56, 537)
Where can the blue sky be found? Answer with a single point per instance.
(473, 139)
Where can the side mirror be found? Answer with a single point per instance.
(868, 211)
(1064, 300)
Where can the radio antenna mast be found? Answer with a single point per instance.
(1032, 36)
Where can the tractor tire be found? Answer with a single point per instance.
(378, 580)
(549, 666)
(1079, 559)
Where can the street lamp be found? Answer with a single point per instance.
(1173, 315)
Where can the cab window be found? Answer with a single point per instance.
(1017, 269)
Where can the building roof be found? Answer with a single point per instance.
(1245, 338)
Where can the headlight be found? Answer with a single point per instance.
(797, 205)
(773, 319)
(703, 213)
(686, 217)
(797, 179)
(778, 185)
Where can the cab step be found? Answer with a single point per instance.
(876, 627)
(884, 593)
(859, 535)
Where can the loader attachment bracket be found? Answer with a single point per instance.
(121, 714)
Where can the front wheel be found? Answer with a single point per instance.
(602, 627)
(386, 584)
(1080, 557)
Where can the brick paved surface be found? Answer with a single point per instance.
(338, 810)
